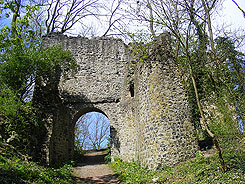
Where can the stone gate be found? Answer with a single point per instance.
(145, 103)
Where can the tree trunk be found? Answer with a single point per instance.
(151, 18)
(203, 122)
(15, 16)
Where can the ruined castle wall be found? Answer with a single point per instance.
(157, 116)
(97, 86)
(128, 127)
(101, 71)
(165, 135)
(147, 109)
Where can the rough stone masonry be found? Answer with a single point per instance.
(147, 107)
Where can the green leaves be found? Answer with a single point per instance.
(7, 15)
(22, 61)
(131, 172)
(18, 33)
(18, 71)
(49, 62)
(140, 50)
(16, 118)
(15, 170)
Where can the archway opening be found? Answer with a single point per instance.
(92, 135)
(92, 131)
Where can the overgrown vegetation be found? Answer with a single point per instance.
(24, 64)
(15, 167)
(17, 119)
(202, 169)
(14, 170)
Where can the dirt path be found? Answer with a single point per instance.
(94, 170)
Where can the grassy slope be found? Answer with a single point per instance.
(14, 170)
(198, 170)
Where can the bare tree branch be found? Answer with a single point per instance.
(62, 15)
(113, 12)
(91, 131)
(243, 12)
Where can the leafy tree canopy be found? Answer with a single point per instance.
(22, 62)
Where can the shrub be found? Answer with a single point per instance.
(17, 118)
(14, 170)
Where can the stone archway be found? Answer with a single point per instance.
(98, 85)
(147, 108)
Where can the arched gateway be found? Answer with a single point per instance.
(147, 107)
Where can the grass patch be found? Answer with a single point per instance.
(131, 172)
(198, 170)
(14, 170)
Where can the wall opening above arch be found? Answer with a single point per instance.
(131, 89)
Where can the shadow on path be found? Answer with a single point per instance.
(93, 158)
(100, 180)
(93, 169)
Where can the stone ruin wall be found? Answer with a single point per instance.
(148, 110)
(165, 131)
(97, 86)
(158, 113)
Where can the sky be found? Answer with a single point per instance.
(90, 121)
(232, 18)
(232, 15)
